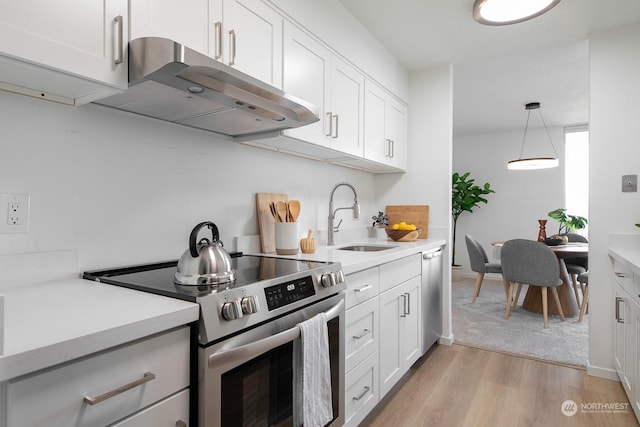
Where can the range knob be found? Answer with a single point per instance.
(231, 310)
(250, 304)
(332, 279)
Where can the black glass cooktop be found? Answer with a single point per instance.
(158, 278)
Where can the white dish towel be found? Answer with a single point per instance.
(312, 374)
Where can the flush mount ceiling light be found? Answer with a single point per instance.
(505, 12)
(534, 162)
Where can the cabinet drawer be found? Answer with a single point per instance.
(56, 397)
(623, 275)
(361, 286)
(361, 390)
(168, 413)
(396, 272)
(361, 332)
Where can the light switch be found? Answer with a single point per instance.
(629, 183)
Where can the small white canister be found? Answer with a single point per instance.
(287, 238)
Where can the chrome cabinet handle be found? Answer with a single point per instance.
(618, 300)
(408, 303)
(148, 376)
(120, 49)
(217, 26)
(392, 149)
(232, 46)
(256, 348)
(181, 423)
(363, 394)
(335, 116)
(364, 288)
(330, 118)
(621, 275)
(364, 332)
(388, 148)
(404, 305)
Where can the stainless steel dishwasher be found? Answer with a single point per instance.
(431, 297)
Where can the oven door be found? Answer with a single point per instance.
(247, 380)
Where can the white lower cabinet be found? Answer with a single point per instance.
(400, 331)
(107, 387)
(362, 394)
(171, 412)
(626, 355)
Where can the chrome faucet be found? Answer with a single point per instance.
(332, 213)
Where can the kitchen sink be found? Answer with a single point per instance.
(365, 248)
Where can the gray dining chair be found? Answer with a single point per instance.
(584, 281)
(576, 265)
(480, 264)
(527, 262)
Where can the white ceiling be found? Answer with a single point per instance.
(496, 70)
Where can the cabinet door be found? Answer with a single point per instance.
(361, 332)
(411, 331)
(636, 360)
(347, 101)
(252, 39)
(391, 310)
(185, 22)
(396, 119)
(80, 37)
(629, 377)
(305, 75)
(376, 145)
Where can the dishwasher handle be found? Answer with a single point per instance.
(432, 254)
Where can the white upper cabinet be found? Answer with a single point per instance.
(311, 72)
(247, 35)
(185, 22)
(85, 41)
(385, 125)
(347, 101)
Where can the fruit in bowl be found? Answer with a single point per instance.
(403, 232)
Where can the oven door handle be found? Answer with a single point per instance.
(249, 351)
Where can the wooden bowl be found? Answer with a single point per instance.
(402, 235)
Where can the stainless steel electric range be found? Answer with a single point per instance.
(246, 331)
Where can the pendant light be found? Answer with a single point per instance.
(506, 12)
(534, 162)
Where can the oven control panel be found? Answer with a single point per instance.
(289, 292)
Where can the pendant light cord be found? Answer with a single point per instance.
(526, 127)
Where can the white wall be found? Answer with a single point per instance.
(614, 151)
(123, 189)
(520, 198)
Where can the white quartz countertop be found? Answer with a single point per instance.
(626, 248)
(353, 261)
(51, 323)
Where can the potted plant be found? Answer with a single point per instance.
(465, 196)
(379, 223)
(567, 222)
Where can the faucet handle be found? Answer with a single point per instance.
(336, 228)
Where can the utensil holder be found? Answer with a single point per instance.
(286, 238)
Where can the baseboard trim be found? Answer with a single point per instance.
(600, 372)
(446, 340)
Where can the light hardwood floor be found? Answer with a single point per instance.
(465, 386)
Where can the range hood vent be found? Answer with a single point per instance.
(171, 82)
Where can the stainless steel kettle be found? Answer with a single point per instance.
(206, 262)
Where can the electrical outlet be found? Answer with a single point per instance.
(14, 213)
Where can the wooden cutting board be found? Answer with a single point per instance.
(411, 214)
(266, 223)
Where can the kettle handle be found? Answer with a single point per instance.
(193, 247)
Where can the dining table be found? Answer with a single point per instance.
(533, 298)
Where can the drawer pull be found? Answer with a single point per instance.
(621, 275)
(365, 332)
(363, 394)
(364, 288)
(148, 376)
(181, 423)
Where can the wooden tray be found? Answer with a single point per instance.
(266, 223)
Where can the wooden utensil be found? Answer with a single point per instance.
(294, 209)
(266, 219)
(281, 208)
(308, 244)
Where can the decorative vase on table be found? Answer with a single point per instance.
(542, 231)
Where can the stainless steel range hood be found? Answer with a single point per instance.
(171, 82)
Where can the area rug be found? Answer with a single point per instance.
(482, 325)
